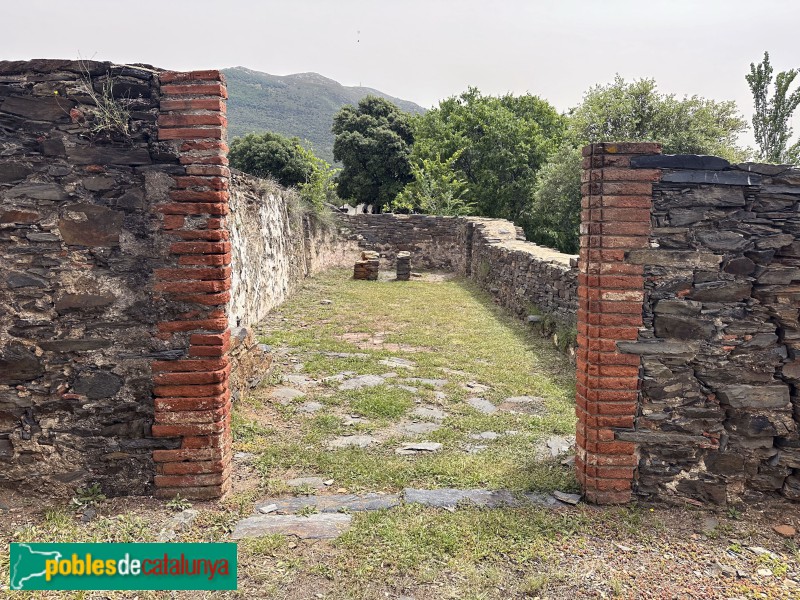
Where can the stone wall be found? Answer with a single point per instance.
(79, 241)
(521, 276)
(688, 353)
(113, 365)
(276, 245)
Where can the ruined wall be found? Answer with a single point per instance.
(78, 241)
(114, 338)
(688, 327)
(275, 246)
(522, 276)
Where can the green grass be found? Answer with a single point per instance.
(449, 330)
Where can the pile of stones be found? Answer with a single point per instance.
(367, 267)
(403, 266)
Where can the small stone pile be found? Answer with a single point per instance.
(403, 266)
(367, 267)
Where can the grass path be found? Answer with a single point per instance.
(441, 342)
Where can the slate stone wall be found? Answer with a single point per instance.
(688, 338)
(520, 275)
(79, 241)
(720, 343)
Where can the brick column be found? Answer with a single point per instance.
(615, 218)
(192, 399)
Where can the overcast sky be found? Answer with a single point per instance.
(426, 50)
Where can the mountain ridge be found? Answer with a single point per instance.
(299, 104)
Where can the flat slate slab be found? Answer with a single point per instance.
(299, 380)
(482, 405)
(450, 498)
(333, 503)
(362, 381)
(310, 407)
(286, 395)
(398, 362)
(429, 412)
(321, 526)
(351, 441)
(526, 405)
(436, 383)
(418, 428)
(314, 482)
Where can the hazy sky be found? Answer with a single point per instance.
(425, 50)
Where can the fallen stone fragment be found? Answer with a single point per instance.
(362, 381)
(474, 386)
(351, 441)
(419, 447)
(286, 395)
(322, 526)
(333, 503)
(267, 508)
(559, 445)
(314, 482)
(326, 302)
(786, 531)
(243, 456)
(567, 498)
(354, 420)
(180, 522)
(482, 405)
(475, 448)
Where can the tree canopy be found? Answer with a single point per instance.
(772, 114)
(373, 142)
(272, 155)
(499, 144)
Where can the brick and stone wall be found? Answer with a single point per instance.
(113, 329)
(688, 327)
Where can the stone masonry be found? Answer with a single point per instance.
(688, 327)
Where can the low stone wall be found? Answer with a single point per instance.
(522, 276)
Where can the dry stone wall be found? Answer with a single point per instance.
(275, 245)
(688, 327)
(79, 239)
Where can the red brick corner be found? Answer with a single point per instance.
(616, 205)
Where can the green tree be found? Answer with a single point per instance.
(772, 114)
(556, 211)
(271, 155)
(319, 189)
(637, 112)
(373, 142)
(437, 189)
(625, 112)
(498, 145)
